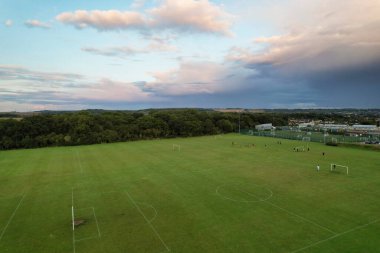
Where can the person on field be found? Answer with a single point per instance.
(318, 167)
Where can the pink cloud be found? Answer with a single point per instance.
(199, 15)
(318, 36)
(184, 15)
(36, 23)
(103, 20)
(110, 90)
(199, 78)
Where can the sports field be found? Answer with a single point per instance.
(211, 196)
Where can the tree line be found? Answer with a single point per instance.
(91, 127)
(96, 126)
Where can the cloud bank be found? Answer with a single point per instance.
(185, 15)
(330, 51)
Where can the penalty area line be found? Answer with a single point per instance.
(147, 221)
(96, 220)
(11, 218)
(336, 235)
(289, 212)
(299, 216)
(87, 238)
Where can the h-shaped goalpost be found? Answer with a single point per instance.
(334, 165)
(72, 217)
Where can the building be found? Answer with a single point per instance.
(365, 127)
(264, 127)
(306, 124)
(334, 126)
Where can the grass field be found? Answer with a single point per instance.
(209, 197)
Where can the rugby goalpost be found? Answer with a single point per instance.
(72, 217)
(176, 147)
(333, 166)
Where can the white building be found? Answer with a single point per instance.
(306, 124)
(334, 126)
(365, 127)
(263, 127)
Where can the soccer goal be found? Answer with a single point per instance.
(176, 147)
(300, 149)
(306, 139)
(334, 166)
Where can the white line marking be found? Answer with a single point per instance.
(291, 213)
(96, 220)
(72, 204)
(270, 203)
(87, 238)
(84, 208)
(243, 201)
(80, 163)
(10, 219)
(148, 205)
(147, 221)
(336, 235)
(299, 216)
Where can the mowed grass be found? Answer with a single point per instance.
(209, 197)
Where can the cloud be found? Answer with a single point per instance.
(123, 52)
(36, 23)
(326, 54)
(20, 73)
(342, 35)
(190, 15)
(21, 88)
(110, 90)
(199, 78)
(185, 15)
(8, 23)
(103, 20)
(137, 4)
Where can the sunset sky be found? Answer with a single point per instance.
(119, 54)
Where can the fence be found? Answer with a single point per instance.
(311, 136)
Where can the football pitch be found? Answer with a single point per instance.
(228, 193)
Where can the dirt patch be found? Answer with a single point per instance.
(79, 222)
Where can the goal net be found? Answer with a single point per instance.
(306, 139)
(299, 149)
(176, 147)
(334, 167)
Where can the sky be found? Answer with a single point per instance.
(120, 54)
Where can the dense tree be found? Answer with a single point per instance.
(89, 127)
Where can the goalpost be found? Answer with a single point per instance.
(306, 139)
(72, 216)
(333, 166)
(176, 147)
(299, 149)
